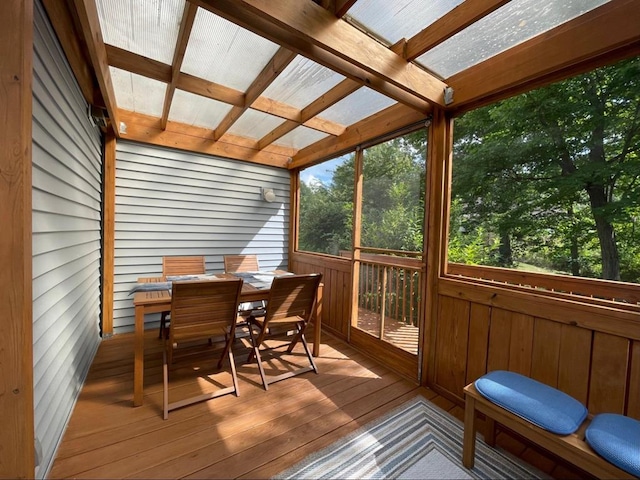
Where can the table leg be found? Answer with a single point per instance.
(317, 330)
(138, 370)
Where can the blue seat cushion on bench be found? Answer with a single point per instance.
(536, 402)
(617, 439)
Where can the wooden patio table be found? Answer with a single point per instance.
(160, 301)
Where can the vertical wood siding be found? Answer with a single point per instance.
(170, 202)
(66, 239)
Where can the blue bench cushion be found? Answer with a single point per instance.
(536, 402)
(617, 439)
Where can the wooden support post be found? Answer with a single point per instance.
(108, 232)
(17, 451)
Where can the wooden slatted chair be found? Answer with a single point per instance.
(290, 306)
(244, 263)
(241, 263)
(174, 266)
(201, 310)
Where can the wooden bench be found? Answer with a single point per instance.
(572, 448)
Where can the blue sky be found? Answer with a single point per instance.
(322, 172)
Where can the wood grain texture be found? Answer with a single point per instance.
(452, 342)
(479, 319)
(545, 354)
(108, 231)
(17, 459)
(609, 370)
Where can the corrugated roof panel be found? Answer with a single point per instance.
(196, 110)
(255, 124)
(514, 23)
(148, 28)
(302, 82)
(360, 104)
(392, 20)
(137, 93)
(224, 53)
(300, 137)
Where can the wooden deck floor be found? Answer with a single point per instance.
(255, 435)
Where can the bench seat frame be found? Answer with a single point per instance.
(572, 448)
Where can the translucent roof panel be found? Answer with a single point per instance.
(196, 110)
(514, 23)
(148, 28)
(302, 82)
(137, 93)
(392, 20)
(300, 137)
(254, 124)
(224, 53)
(360, 104)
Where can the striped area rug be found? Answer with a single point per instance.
(416, 440)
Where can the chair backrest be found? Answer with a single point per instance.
(203, 309)
(240, 263)
(293, 296)
(182, 266)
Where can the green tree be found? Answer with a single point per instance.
(556, 168)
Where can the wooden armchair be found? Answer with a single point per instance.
(201, 310)
(173, 266)
(291, 304)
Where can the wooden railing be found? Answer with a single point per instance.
(390, 287)
(596, 291)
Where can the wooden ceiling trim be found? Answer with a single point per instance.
(601, 33)
(212, 90)
(456, 20)
(308, 113)
(388, 120)
(269, 73)
(67, 33)
(90, 26)
(243, 14)
(147, 129)
(188, 17)
(134, 63)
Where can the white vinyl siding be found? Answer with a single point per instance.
(171, 202)
(66, 240)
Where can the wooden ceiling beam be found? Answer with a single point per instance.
(608, 32)
(162, 72)
(307, 114)
(456, 20)
(188, 17)
(388, 120)
(308, 29)
(147, 129)
(90, 26)
(338, 7)
(269, 73)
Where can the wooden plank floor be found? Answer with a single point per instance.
(255, 435)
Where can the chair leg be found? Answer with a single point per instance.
(165, 381)
(255, 351)
(469, 439)
(163, 323)
(306, 349)
(234, 376)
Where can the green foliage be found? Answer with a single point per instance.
(554, 175)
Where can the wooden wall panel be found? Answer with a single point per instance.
(545, 354)
(452, 342)
(521, 344)
(499, 340)
(609, 367)
(479, 320)
(633, 399)
(575, 361)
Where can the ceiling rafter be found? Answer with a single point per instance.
(188, 17)
(156, 70)
(269, 73)
(90, 26)
(606, 32)
(308, 29)
(338, 7)
(388, 120)
(456, 20)
(333, 96)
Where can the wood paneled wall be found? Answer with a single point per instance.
(571, 346)
(336, 277)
